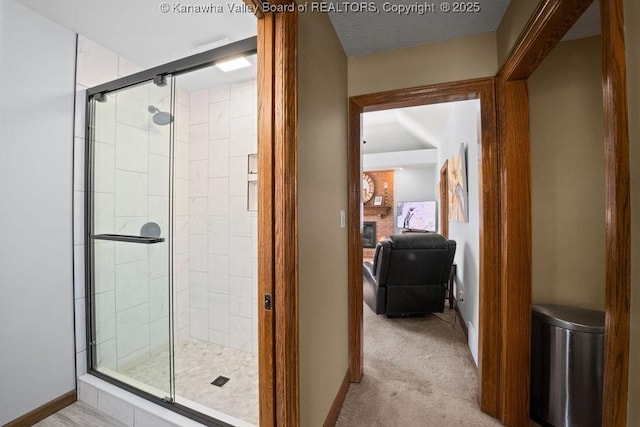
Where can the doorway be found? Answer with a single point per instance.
(395, 182)
(481, 89)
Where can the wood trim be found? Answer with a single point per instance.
(334, 411)
(444, 199)
(354, 234)
(422, 95)
(489, 332)
(515, 305)
(286, 219)
(256, 6)
(45, 410)
(266, 279)
(618, 219)
(547, 27)
(489, 315)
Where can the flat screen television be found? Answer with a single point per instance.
(419, 216)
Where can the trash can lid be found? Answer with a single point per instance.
(572, 318)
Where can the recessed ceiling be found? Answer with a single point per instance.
(364, 33)
(405, 129)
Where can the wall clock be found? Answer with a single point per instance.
(368, 188)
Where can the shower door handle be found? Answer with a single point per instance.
(145, 240)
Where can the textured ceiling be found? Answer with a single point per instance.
(364, 33)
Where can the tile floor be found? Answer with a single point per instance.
(79, 414)
(197, 364)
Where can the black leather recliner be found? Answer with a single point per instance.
(409, 274)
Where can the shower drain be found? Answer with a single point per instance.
(220, 381)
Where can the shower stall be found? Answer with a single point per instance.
(171, 236)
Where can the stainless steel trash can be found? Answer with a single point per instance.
(567, 352)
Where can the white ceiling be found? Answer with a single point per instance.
(404, 129)
(140, 32)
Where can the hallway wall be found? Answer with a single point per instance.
(567, 177)
(36, 241)
(514, 20)
(459, 59)
(322, 193)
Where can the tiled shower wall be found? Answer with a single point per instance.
(95, 65)
(131, 184)
(222, 231)
(181, 216)
(215, 241)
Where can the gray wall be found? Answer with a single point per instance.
(37, 362)
(413, 185)
(463, 127)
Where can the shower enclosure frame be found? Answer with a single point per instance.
(191, 63)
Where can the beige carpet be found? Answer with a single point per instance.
(417, 372)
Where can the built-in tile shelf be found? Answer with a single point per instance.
(380, 211)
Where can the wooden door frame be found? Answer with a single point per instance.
(544, 31)
(278, 372)
(489, 334)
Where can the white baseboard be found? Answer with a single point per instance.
(472, 342)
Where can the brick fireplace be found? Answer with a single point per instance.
(382, 215)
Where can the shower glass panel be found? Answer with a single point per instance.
(129, 225)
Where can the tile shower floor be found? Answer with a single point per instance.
(197, 364)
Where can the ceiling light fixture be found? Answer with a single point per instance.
(233, 64)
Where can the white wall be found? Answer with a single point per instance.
(463, 127)
(412, 185)
(36, 248)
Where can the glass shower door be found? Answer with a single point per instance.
(129, 229)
